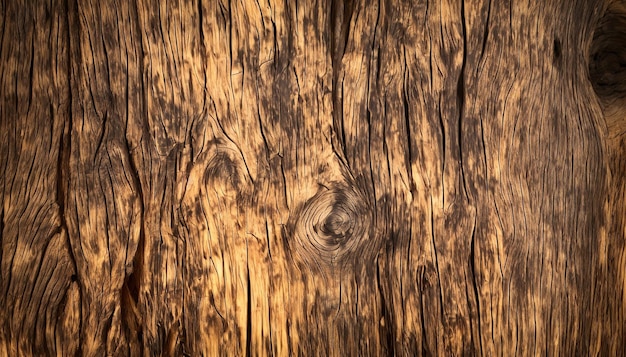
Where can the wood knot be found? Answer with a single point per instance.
(334, 226)
(607, 62)
(607, 70)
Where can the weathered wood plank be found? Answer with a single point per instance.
(606, 72)
(37, 269)
(312, 177)
(102, 205)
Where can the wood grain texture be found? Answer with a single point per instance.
(607, 73)
(312, 178)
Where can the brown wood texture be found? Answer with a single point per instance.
(261, 177)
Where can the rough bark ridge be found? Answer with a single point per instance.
(312, 177)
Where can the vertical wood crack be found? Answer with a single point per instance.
(460, 90)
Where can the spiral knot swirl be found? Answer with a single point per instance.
(333, 225)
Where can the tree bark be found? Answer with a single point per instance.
(312, 178)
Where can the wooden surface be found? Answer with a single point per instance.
(312, 178)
